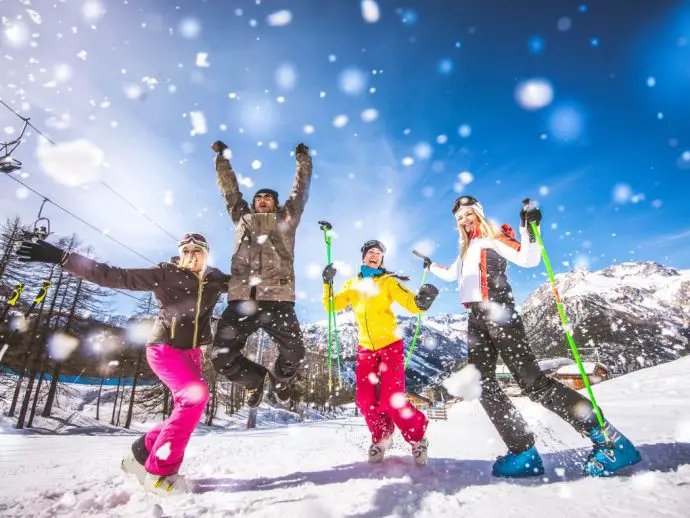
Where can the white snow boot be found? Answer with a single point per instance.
(164, 485)
(419, 452)
(132, 466)
(377, 450)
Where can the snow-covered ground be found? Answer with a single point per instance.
(319, 469)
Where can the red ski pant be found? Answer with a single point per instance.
(180, 371)
(385, 367)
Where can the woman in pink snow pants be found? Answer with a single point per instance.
(187, 291)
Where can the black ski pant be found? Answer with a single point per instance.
(496, 329)
(242, 318)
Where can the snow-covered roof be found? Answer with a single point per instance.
(574, 370)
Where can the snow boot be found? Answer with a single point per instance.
(164, 485)
(133, 461)
(377, 451)
(281, 389)
(419, 451)
(517, 465)
(609, 457)
(256, 394)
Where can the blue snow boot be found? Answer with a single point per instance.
(516, 465)
(609, 457)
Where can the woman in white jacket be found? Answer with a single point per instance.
(495, 328)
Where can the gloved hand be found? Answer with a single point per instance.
(328, 273)
(219, 146)
(41, 251)
(530, 212)
(426, 296)
(302, 149)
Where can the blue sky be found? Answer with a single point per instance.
(430, 91)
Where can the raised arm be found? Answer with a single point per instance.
(340, 300)
(525, 253)
(299, 194)
(449, 274)
(227, 182)
(135, 279)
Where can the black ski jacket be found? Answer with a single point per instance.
(186, 301)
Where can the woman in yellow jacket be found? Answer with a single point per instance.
(380, 355)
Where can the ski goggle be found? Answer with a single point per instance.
(373, 244)
(196, 239)
(466, 201)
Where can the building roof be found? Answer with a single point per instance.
(589, 367)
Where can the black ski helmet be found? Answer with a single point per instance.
(373, 243)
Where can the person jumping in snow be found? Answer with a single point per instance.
(380, 355)
(495, 328)
(186, 295)
(261, 293)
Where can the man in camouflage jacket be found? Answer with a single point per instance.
(261, 291)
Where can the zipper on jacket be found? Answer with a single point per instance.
(172, 328)
(198, 309)
(366, 319)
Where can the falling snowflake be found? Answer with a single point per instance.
(309, 129)
(370, 11)
(370, 115)
(279, 18)
(202, 60)
(352, 81)
(189, 28)
(198, 120)
(465, 383)
(340, 121)
(407, 161)
(256, 164)
(286, 76)
(93, 10)
(442, 139)
(168, 198)
(423, 151)
(464, 131)
(534, 94)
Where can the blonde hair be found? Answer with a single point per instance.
(488, 229)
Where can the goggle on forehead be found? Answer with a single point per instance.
(465, 201)
(374, 244)
(196, 239)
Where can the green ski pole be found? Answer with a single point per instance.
(566, 327)
(326, 226)
(419, 317)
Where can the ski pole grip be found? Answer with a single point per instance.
(325, 225)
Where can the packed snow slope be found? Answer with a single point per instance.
(319, 470)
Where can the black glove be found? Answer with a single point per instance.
(530, 213)
(328, 274)
(426, 295)
(41, 251)
(302, 149)
(427, 263)
(219, 146)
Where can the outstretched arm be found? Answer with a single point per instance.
(227, 182)
(299, 194)
(449, 274)
(135, 279)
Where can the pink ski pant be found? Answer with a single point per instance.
(180, 370)
(391, 407)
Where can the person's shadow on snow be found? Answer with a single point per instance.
(447, 476)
